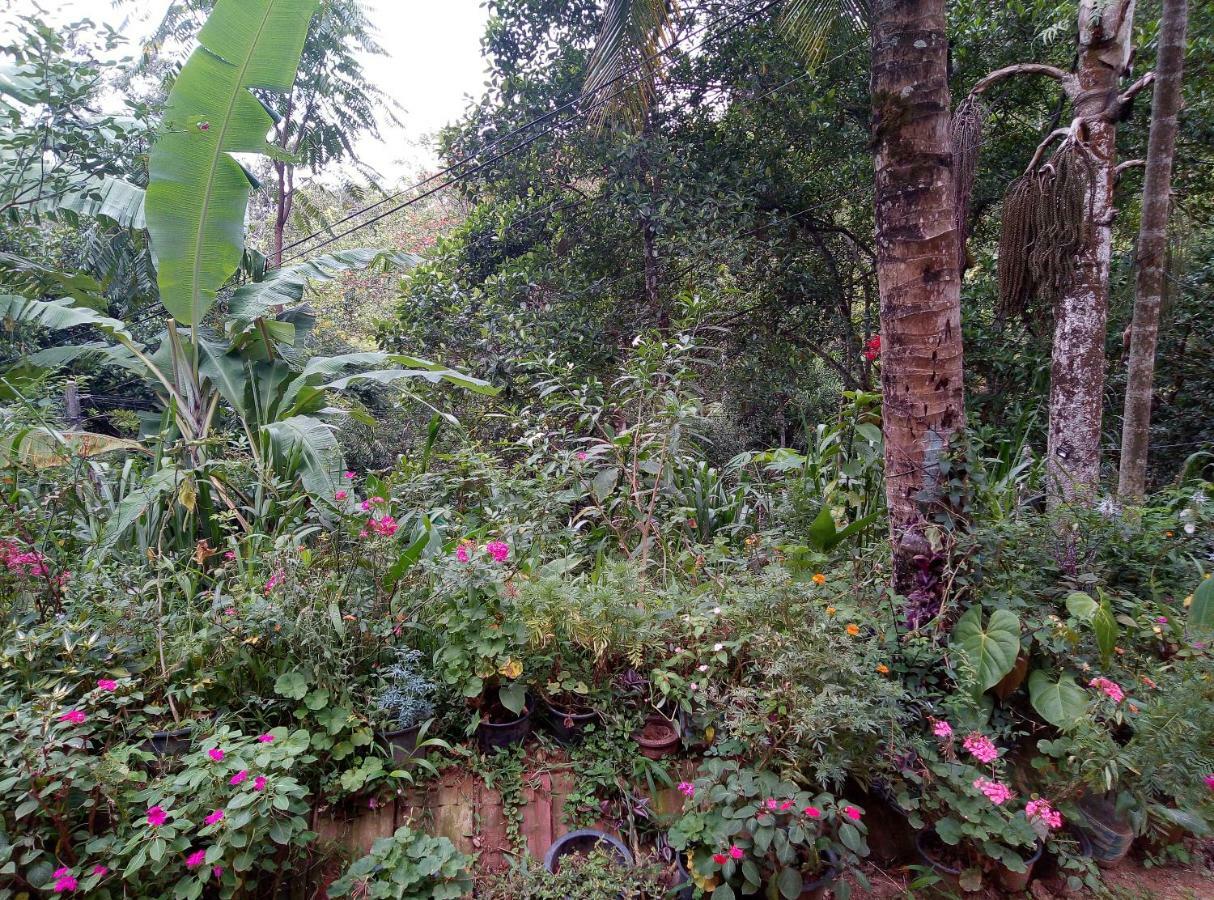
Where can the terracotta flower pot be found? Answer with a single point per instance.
(657, 738)
(1019, 881)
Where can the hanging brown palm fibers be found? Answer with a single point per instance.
(968, 119)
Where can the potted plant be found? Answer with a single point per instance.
(750, 832)
(407, 864)
(405, 703)
(567, 697)
(483, 646)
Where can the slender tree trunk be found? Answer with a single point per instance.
(1152, 247)
(1081, 314)
(917, 256)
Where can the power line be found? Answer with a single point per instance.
(572, 103)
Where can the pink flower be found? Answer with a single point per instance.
(100, 870)
(378, 500)
(786, 806)
(217, 871)
(720, 859)
(736, 852)
(383, 525)
(216, 754)
(1110, 689)
(812, 811)
(582, 456)
(265, 738)
(365, 506)
(107, 684)
(942, 730)
(349, 476)
(498, 550)
(75, 716)
(196, 859)
(1041, 809)
(214, 817)
(994, 791)
(1209, 779)
(156, 816)
(64, 882)
(230, 611)
(341, 495)
(981, 747)
(275, 580)
(1161, 620)
(463, 553)
(230, 555)
(687, 789)
(239, 777)
(852, 813)
(259, 783)
(364, 533)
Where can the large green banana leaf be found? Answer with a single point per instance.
(197, 191)
(56, 315)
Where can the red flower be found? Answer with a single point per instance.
(719, 858)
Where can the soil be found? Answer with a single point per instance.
(658, 733)
(1128, 880)
(497, 714)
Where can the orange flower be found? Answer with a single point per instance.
(883, 668)
(1167, 534)
(819, 578)
(853, 629)
(830, 610)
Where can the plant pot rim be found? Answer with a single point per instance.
(397, 732)
(601, 837)
(590, 712)
(639, 735)
(949, 870)
(526, 714)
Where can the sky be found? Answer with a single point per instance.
(432, 63)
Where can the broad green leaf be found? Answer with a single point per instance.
(138, 502)
(56, 315)
(1081, 606)
(293, 685)
(822, 533)
(46, 448)
(1201, 613)
(197, 192)
(1060, 702)
(311, 446)
(513, 696)
(991, 649)
(790, 883)
(1104, 627)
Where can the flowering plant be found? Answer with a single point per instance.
(745, 830)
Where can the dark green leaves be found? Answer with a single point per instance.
(991, 648)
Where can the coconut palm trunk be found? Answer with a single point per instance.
(1152, 249)
(917, 265)
(1081, 313)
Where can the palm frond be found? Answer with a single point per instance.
(622, 74)
(808, 24)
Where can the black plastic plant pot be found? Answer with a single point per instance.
(582, 843)
(170, 743)
(816, 889)
(683, 888)
(401, 743)
(567, 726)
(948, 874)
(492, 735)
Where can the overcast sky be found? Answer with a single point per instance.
(433, 61)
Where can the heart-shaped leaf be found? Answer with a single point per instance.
(1201, 613)
(1060, 702)
(991, 648)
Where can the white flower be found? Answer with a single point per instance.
(716, 610)
(694, 686)
(717, 648)
(1189, 528)
(704, 668)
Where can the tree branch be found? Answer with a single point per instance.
(1113, 111)
(1128, 164)
(1070, 84)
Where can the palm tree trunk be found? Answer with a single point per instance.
(917, 257)
(1152, 247)
(1081, 314)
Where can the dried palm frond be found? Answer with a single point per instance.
(967, 123)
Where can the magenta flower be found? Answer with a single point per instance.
(1161, 620)
(101, 870)
(259, 783)
(687, 789)
(274, 581)
(383, 525)
(994, 791)
(107, 684)
(1210, 782)
(349, 476)
(736, 852)
(266, 738)
(981, 747)
(786, 806)
(498, 550)
(64, 882)
(852, 813)
(217, 871)
(75, 716)
(582, 456)
(216, 754)
(196, 859)
(365, 506)
(1109, 688)
(239, 777)
(812, 811)
(720, 859)
(230, 611)
(230, 555)
(942, 730)
(156, 816)
(463, 553)
(214, 817)
(772, 803)
(341, 495)
(1043, 811)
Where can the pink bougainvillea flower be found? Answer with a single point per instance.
(812, 811)
(196, 859)
(265, 738)
(736, 852)
(852, 813)
(214, 817)
(997, 792)
(259, 783)
(101, 870)
(216, 754)
(64, 882)
(239, 778)
(720, 859)
(341, 495)
(1109, 688)
(499, 550)
(687, 789)
(156, 816)
(942, 730)
(107, 684)
(349, 476)
(217, 871)
(1043, 811)
(981, 747)
(75, 716)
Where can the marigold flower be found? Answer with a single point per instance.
(853, 629)
(107, 684)
(74, 716)
(156, 816)
(830, 610)
(882, 669)
(819, 578)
